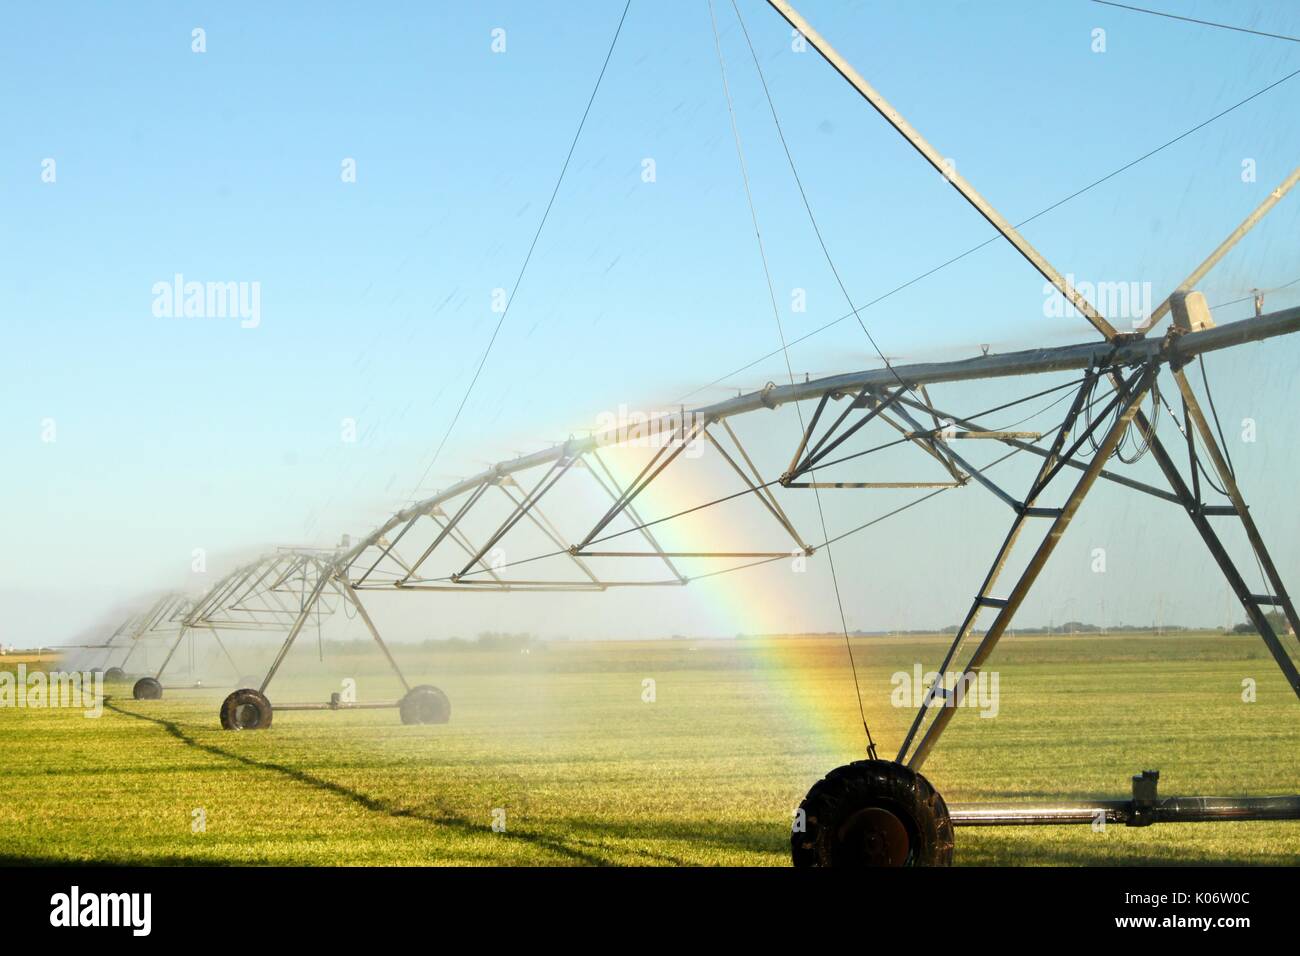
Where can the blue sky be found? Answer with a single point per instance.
(177, 433)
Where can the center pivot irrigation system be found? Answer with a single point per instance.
(872, 811)
(155, 624)
(141, 630)
(278, 591)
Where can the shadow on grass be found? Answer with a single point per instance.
(758, 836)
(360, 799)
(173, 859)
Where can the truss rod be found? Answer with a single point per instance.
(1042, 453)
(294, 568)
(1229, 481)
(839, 420)
(984, 480)
(1212, 260)
(171, 651)
(875, 484)
(454, 520)
(544, 524)
(644, 481)
(686, 554)
(388, 548)
(225, 650)
(763, 494)
(994, 436)
(812, 425)
(468, 586)
(347, 591)
(1192, 410)
(927, 444)
(220, 590)
(946, 169)
(548, 481)
(764, 488)
(878, 407)
(465, 545)
(1225, 562)
(321, 582)
(397, 558)
(611, 490)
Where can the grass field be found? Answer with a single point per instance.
(708, 773)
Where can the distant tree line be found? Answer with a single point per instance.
(484, 641)
(1276, 620)
(489, 641)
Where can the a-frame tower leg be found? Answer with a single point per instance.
(1199, 513)
(1127, 403)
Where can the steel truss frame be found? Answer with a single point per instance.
(376, 563)
(914, 751)
(137, 630)
(122, 639)
(281, 591)
(1131, 364)
(158, 622)
(278, 592)
(1129, 361)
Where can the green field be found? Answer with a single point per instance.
(708, 773)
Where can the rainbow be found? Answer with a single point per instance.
(809, 676)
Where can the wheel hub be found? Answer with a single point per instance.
(881, 837)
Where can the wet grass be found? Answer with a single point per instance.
(586, 771)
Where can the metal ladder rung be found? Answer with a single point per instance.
(1041, 512)
(1266, 599)
(994, 436)
(939, 692)
(990, 602)
(1226, 511)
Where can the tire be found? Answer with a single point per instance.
(246, 709)
(248, 683)
(425, 704)
(147, 688)
(873, 813)
(114, 674)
